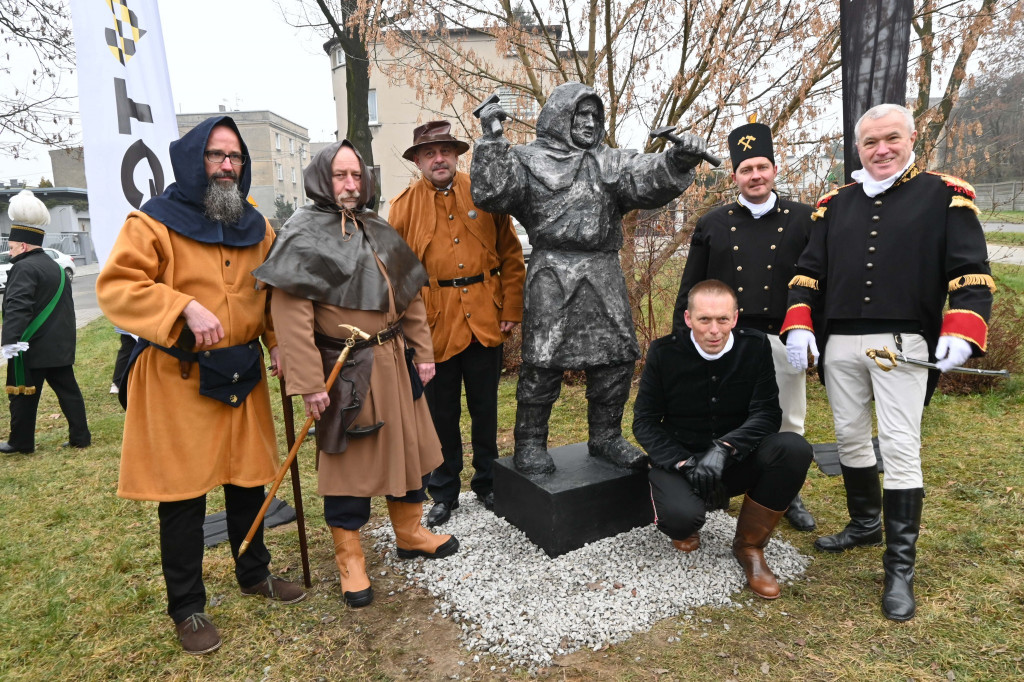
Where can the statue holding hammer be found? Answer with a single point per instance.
(570, 191)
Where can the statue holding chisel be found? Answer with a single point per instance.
(570, 191)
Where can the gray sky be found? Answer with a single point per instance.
(275, 67)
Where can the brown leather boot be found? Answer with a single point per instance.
(690, 544)
(753, 529)
(348, 553)
(413, 539)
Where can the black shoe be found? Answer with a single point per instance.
(69, 444)
(440, 513)
(488, 501)
(799, 517)
(6, 448)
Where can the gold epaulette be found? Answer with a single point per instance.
(959, 201)
(826, 198)
(803, 281)
(958, 185)
(978, 280)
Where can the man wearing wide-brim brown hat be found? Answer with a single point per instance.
(474, 300)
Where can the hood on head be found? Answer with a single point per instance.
(190, 167)
(319, 184)
(555, 119)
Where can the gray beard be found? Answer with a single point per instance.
(223, 203)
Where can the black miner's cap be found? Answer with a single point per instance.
(749, 141)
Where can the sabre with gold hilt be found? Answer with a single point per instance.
(894, 358)
(349, 343)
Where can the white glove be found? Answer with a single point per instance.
(798, 342)
(952, 351)
(11, 350)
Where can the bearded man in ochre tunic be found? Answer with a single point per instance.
(570, 191)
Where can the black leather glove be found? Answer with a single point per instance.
(706, 477)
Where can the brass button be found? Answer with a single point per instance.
(465, 290)
(867, 299)
(446, 192)
(766, 287)
(870, 266)
(234, 378)
(461, 266)
(871, 249)
(786, 211)
(739, 268)
(780, 229)
(741, 310)
(769, 267)
(732, 229)
(873, 233)
(714, 400)
(735, 248)
(868, 283)
(456, 240)
(764, 310)
(773, 247)
(878, 202)
(874, 219)
(472, 215)
(468, 314)
(451, 217)
(714, 378)
(233, 399)
(206, 354)
(730, 212)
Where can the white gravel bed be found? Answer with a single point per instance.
(513, 601)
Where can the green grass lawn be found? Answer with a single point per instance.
(1002, 216)
(83, 597)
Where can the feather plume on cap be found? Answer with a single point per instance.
(26, 209)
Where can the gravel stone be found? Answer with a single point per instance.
(515, 602)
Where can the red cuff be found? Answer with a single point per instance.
(967, 325)
(797, 317)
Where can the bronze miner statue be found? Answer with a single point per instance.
(570, 190)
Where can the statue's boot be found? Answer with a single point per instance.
(412, 538)
(348, 553)
(864, 502)
(753, 530)
(531, 433)
(902, 514)
(606, 441)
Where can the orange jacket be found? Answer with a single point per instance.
(453, 238)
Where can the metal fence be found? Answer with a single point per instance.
(1000, 196)
(78, 245)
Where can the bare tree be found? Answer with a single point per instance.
(38, 51)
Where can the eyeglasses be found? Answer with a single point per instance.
(216, 157)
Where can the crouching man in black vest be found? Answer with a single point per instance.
(708, 415)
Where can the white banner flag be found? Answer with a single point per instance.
(127, 111)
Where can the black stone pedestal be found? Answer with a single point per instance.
(584, 500)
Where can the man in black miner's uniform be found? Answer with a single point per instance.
(708, 415)
(38, 331)
(752, 245)
(884, 254)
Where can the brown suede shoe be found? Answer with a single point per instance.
(277, 589)
(690, 544)
(198, 635)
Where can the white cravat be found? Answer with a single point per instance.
(874, 187)
(708, 356)
(758, 210)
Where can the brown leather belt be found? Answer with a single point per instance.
(464, 281)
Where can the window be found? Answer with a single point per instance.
(291, 146)
(371, 106)
(302, 151)
(280, 171)
(518, 104)
(277, 141)
(293, 176)
(339, 57)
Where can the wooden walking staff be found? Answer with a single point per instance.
(300, 517)
(349, 343)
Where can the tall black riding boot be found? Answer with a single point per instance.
(902, 514)
(531, 433)
(864, 502)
